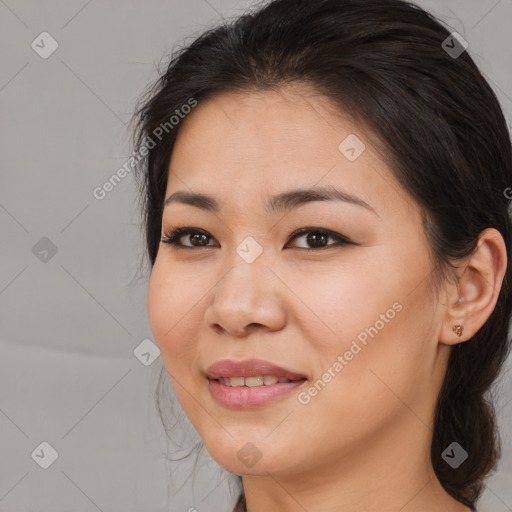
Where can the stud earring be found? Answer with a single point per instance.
(457, 329)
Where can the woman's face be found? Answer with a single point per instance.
(351, 319)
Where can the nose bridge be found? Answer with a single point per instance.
(247, 278)
(246, 294)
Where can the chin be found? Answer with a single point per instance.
(244, 457)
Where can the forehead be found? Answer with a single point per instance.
(258, 143)
(291, 123)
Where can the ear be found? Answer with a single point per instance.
(472, 299)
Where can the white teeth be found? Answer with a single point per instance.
(253, 381)
(266, 380)
(236, 381)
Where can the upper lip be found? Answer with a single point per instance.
(249, 368)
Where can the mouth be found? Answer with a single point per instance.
(230, 369)
(252, 383)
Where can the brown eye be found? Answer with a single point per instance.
(196, 238)
(318, 238)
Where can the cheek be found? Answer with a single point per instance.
(160, 303)
(338, 302)
(174, 323)
(171, 300)
(363, 320)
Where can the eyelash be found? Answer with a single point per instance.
(172, 237)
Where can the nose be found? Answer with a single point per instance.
(247, 298)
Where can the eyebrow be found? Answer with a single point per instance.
(280, 203)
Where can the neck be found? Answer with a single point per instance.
(391, 472)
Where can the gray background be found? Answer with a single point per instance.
(70, 322)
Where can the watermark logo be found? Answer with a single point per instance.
(44, 455)
(150, 142)
(249, 454)
(44, 250)
(304, 397)
(146, 352)
(352, 147)
(44, 45)
(249, 249)
(455, 45)
(454, 455)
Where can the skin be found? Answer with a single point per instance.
(363, 442)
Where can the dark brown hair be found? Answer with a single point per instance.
(437, 123)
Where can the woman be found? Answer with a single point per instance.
(326, 218)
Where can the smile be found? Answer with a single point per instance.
(266, 380)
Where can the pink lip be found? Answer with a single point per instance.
(249, 368)
(244, 397)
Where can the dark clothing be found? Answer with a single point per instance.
(240, 505)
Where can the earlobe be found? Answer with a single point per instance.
(458, 329)
(454, 334)
(477, 289)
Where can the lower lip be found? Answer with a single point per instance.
(244, 396)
